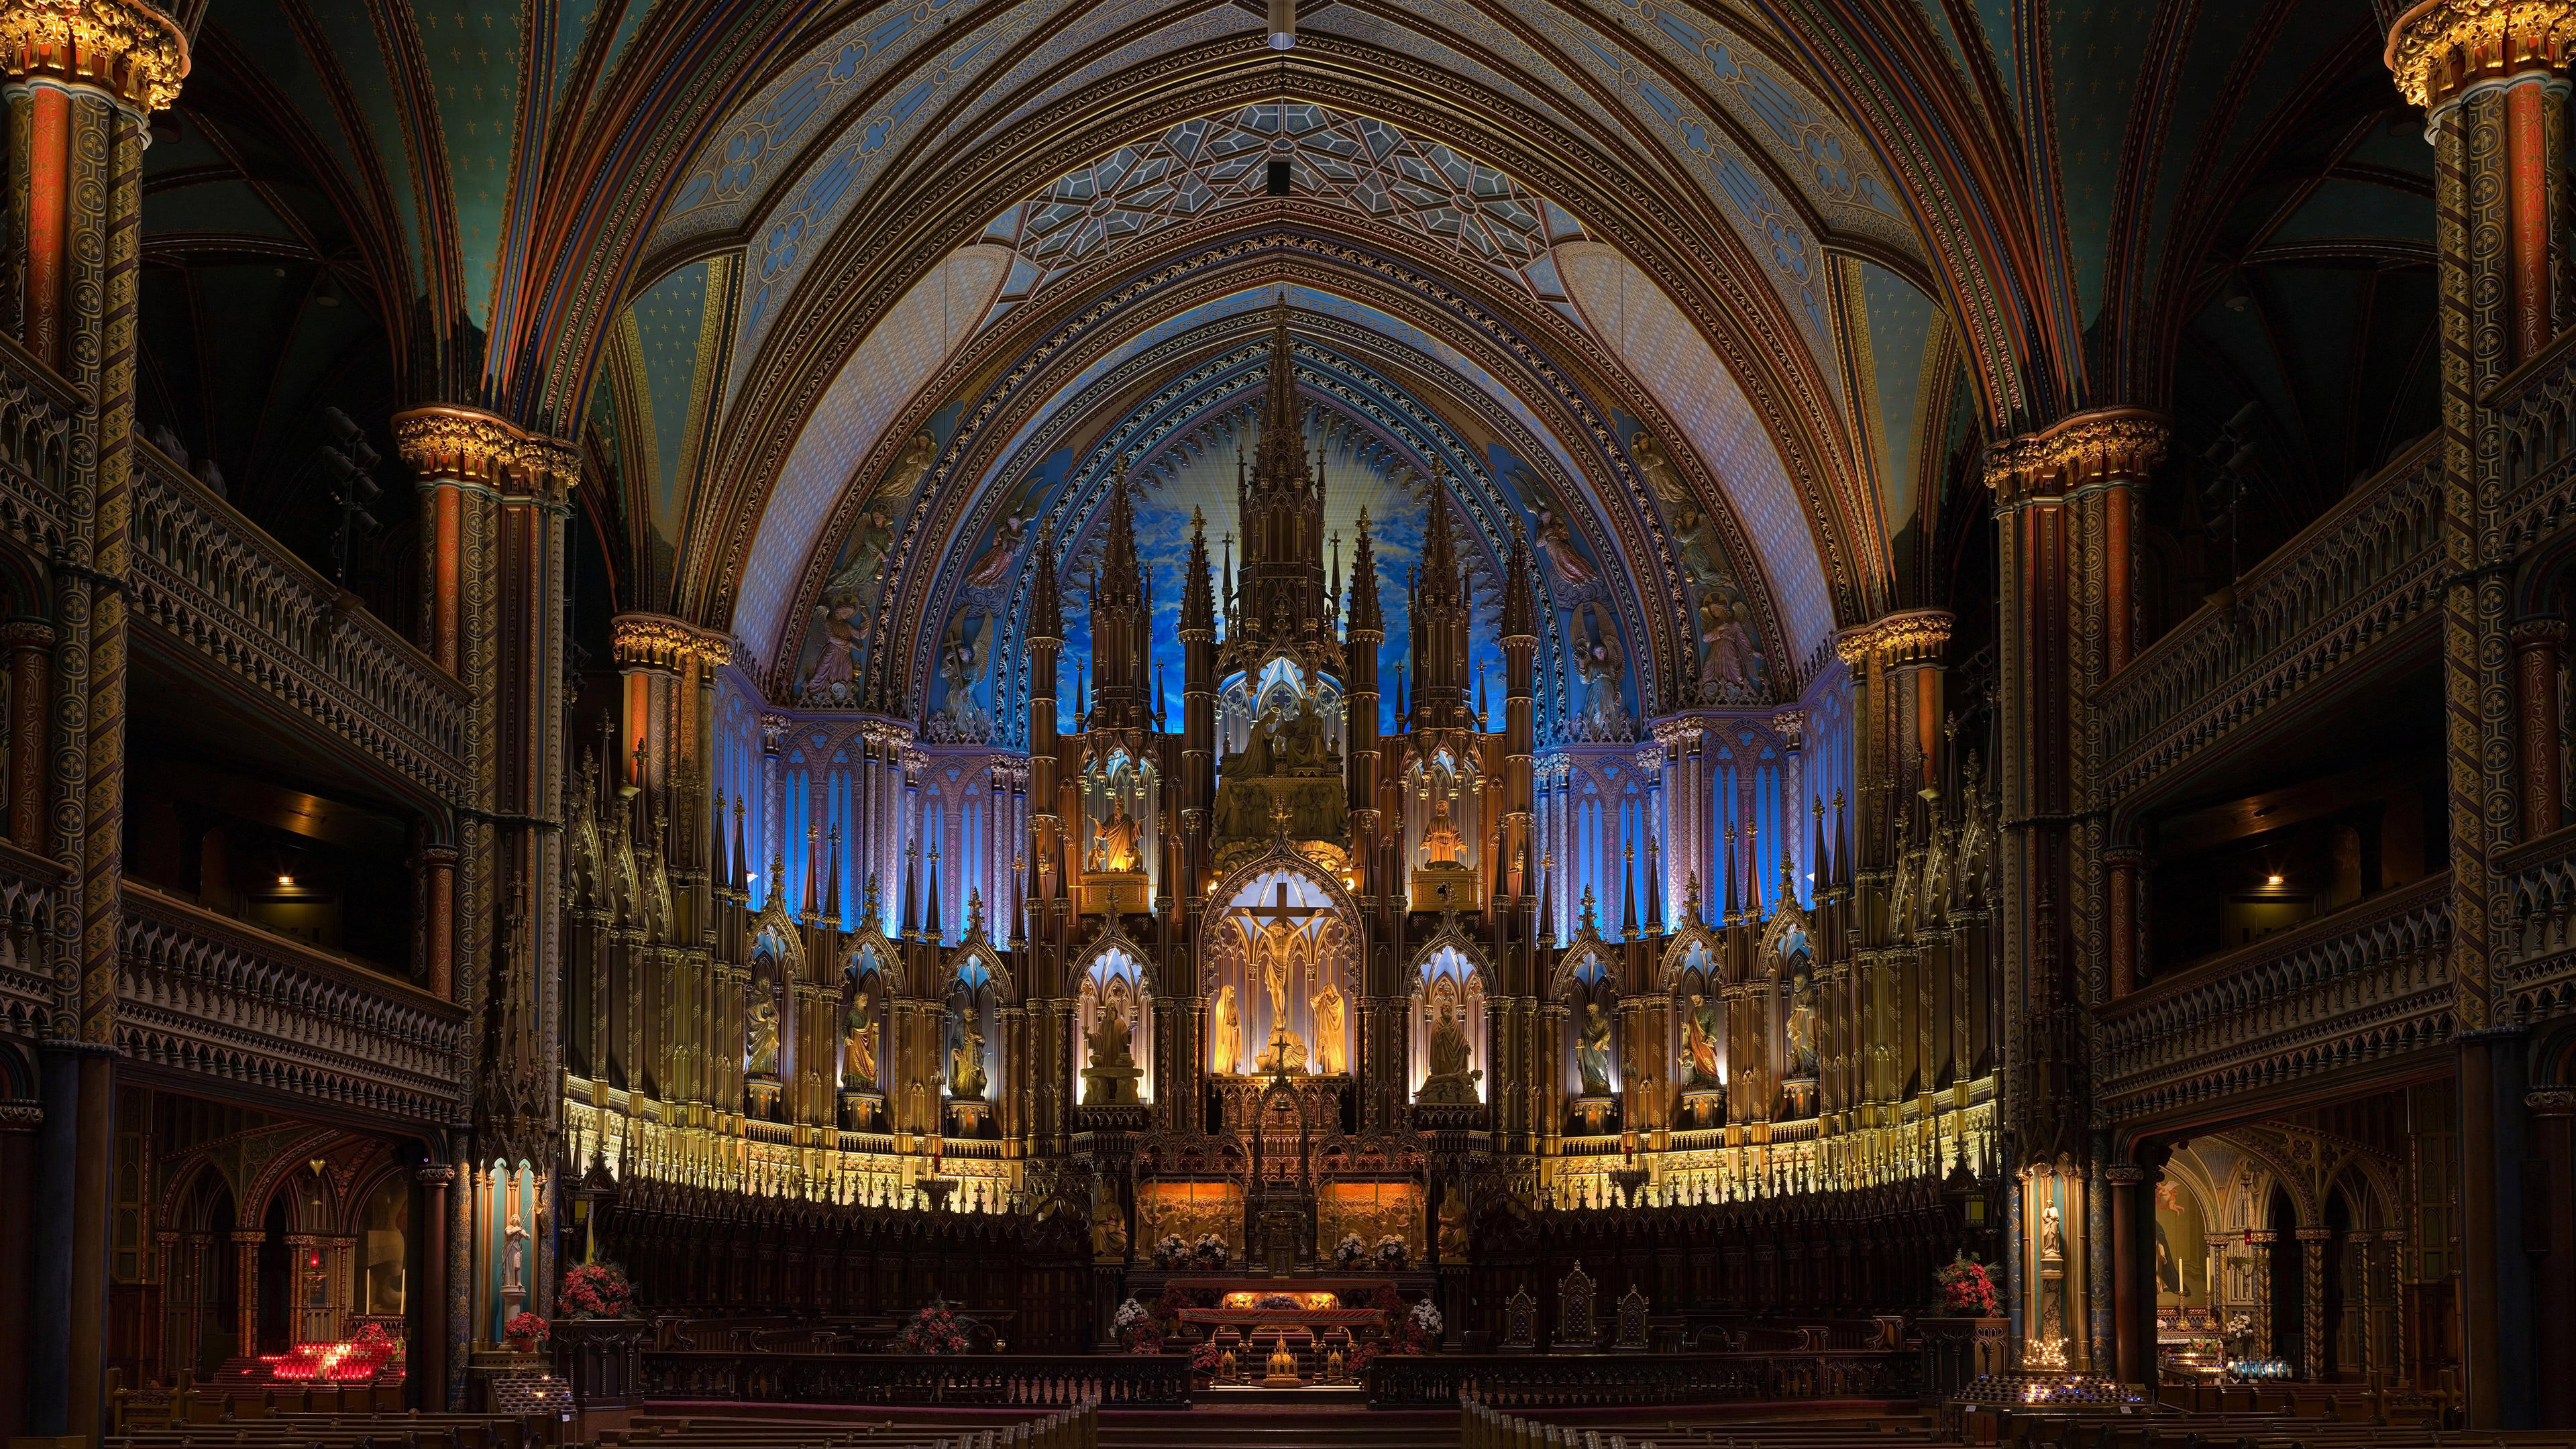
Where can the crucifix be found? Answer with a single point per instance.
(1275, 955)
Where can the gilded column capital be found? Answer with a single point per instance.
(665, 642)
(27, 634)
(2536, 632)
(472, 445)
(132, 51)
(2106, 445)
(1914, 636)
(2442, 47)
(2551, 1102)
(433, 1174)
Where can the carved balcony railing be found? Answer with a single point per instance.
(29, 985)
(2536, 408)
(2369, 567)
(2535, 960)
(36, 412)
(2364, 984)
(1114, 1380)
(210, 996)
(1608, 1380)
(224, 590)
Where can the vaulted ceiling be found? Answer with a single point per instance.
(1713, 302)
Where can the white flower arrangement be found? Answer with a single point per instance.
(1349, 1251)
(1425, 1317)
(1129, 1315)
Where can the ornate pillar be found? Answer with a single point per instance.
(2062, 577)
(428, 1306)
(2537, 644)
(2491, 79)
(2133, 1313)
(246, 1245)
(2312, 1297)
(81, 76)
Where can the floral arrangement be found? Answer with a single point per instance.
(935, 1329)
(1350, 1252)
(1408, 1332)
(1137, 1329)
(596, 1290)
(1390, 1252)
(1208, 1359)
(1968, 1287)
(1426, 1319)
(525, 1325)
(374, 1333)
(1170, 1251)
(1276, 1300)
(1209, 1251)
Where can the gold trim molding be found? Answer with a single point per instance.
(2442, 47)
(665, 642)
(452, 442)
(2111, 444)
(1912, 637)
(133, 51)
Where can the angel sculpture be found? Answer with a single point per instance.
(1601, 664)
(963, 657)
(994, 564)
(1573, 575)
(1660, 473)
(1726, 661)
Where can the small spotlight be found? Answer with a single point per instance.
(2272, 880)
(286, 880)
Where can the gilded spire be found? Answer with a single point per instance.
(1365, 614)
(1198, 588)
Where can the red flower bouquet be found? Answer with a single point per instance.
(936, 1329)
(596, 1290)
(1968, 1289)
(524, 1328)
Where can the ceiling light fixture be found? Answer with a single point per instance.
(2272, 880)
(286, 880)
(1283, 24)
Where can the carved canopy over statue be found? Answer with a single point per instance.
(1279, 976)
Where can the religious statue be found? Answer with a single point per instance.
(963, 658)
(859, 1047)
(834, 664)
(1108, 1037)
(1727, 656)
(1452, 1080)
(966, 1059)
(1592, 1051)
(1802, 1027)
(1440, 840)
(1278, 952)
(1225, 1034)
(2052, 1238)
(1602, 665)
(994, 565)
(514, 1247)
(1113, 842)
(1661, 475)
(762, 1058)
(1572, 573)
(1330, 1048)
(1699, 1045)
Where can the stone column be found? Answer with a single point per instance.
(2312, 1295)
(2491, 80)
(246, 1245)
(80, 79)
(2537, 644)
(2133, 1303)
(427, 1305)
